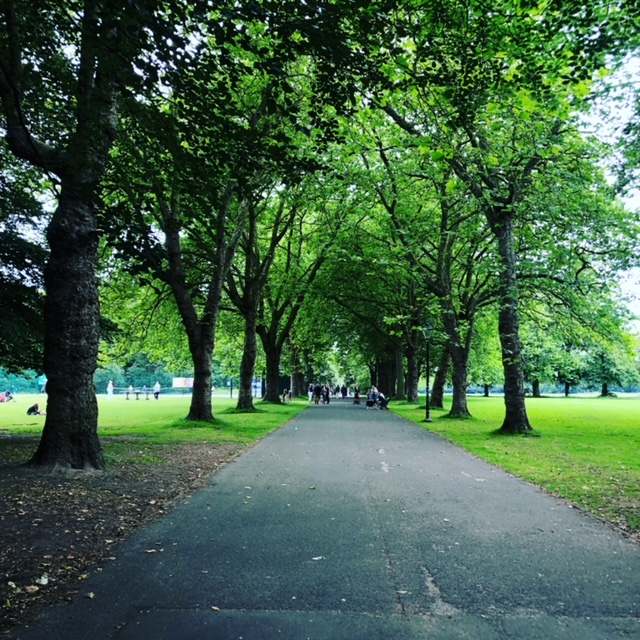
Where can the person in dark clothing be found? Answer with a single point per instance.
(34, 410)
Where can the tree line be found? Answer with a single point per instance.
(305, 174)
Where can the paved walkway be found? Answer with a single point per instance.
(354, 524)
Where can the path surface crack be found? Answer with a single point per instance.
(439, 607)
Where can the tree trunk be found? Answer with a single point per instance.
(413, 374)
(373, 374)
(248, 364)
(487, 388)
(72, 313)
(567, 389)
(460, 366)
(272, 355)
(400, 392)
(202, 355)
(459, 347)
(298, 387)
(516, 419)
(536, 388)
(440, 380)
(605, 389)
(387, 375)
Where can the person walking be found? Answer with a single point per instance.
(156, 390)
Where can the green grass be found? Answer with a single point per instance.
(158, 422)
(588, 451)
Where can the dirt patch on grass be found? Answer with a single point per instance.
(55, 529)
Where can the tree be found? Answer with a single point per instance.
(248, 278)
(615, 365)
(62, 71)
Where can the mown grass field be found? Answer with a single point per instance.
(586, 449)
(151, 423)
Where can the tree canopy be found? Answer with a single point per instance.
(330, 176)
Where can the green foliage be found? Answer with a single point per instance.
(22, 259)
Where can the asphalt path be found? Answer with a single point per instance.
(350, 523)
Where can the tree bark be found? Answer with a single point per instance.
(200, 409)
(387, 375)
(516, 419)
(567, 389)
(459, 376)
(605, 389)
(487, 388)
(413, 374)
(248, 363)
(400, 392)
(459, 347)
(273, 353)
(298, 387)
(536, 388)
(72, 314)
(440, 380)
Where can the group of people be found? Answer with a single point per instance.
(130, 391)
(376, 399)
(322, 394)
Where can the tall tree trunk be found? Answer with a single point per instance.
(297, 375)
(459, 347)
(516, 419)
(297, 384)
(487, 389)
(72, 314)
(272, 355)
(400, 392)
(387, 375)
(201, 347)
(440, 380)
(373, 374)
(459, 375)
(567, 389)
(536, 388)
(605, 389)
(413, 374)
(248, 363)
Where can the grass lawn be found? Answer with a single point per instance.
(151, 423)
(588, 449)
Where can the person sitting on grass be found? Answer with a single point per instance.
(34, 410)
